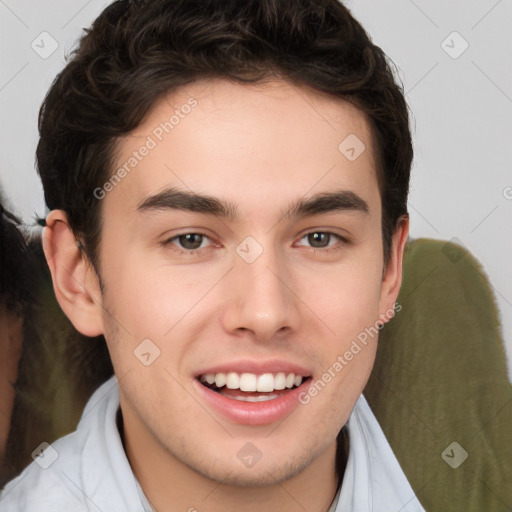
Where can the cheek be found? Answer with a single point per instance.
(150, 298)
(163, 303)
(346, 301)
(345, 298)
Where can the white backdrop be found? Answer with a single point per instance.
(455, 59)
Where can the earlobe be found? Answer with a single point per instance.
(75, 282)
(392, 279)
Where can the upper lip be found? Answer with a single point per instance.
(257, 367)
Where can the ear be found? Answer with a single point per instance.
(75, 281)
(392, 278)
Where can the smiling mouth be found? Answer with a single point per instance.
(249, 387)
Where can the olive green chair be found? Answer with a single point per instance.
(439, 387)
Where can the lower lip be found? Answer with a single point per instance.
(253, 413)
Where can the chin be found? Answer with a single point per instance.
(262, 473)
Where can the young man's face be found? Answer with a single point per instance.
(262, 288)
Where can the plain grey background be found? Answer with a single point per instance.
(455, 62)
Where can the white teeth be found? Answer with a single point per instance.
(250, 382)
(220, 379)
(261, 398)
(265, 383)
(247, 382)
(232, 380)
(280, 381)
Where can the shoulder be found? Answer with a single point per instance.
(373, 478)
(44, 487)
(67, 474)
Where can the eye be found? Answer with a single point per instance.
(189, 241)
(322, 239)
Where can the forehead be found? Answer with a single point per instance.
(244, 142)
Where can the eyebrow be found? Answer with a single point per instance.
(327, 202)
(175, 199)
(321, 203)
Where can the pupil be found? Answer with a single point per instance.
(318, 239)
(191, 241)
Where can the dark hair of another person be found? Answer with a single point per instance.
(15, 275)
(137, 51)
(59, 368)
(16, 291)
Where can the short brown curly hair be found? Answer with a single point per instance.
(136, 51)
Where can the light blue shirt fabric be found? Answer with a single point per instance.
(88, 470)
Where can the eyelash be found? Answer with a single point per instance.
(344, 241)
(187, 251)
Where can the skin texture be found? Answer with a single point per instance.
(260, 148)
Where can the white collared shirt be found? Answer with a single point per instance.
(88, 470)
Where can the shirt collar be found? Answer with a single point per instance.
(372, 481)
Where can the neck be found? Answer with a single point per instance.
(171, 485)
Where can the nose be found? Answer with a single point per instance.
(260, 299)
